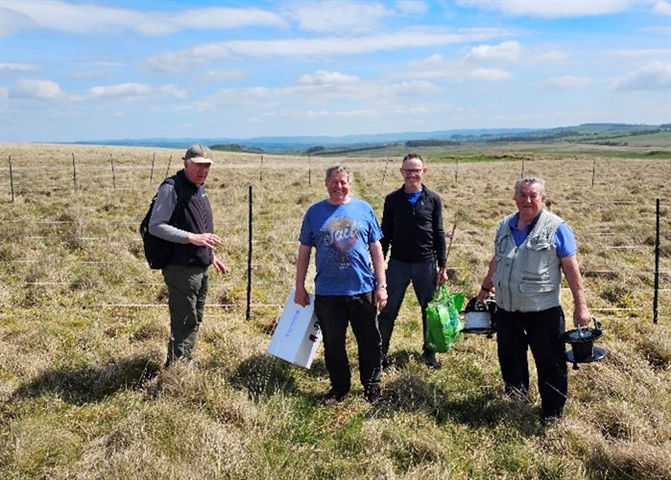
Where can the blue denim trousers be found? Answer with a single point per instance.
(423, 276)
(334, 313)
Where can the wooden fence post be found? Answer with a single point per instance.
(11, 178)
(113, 176)
(74, 172)
(167, 170)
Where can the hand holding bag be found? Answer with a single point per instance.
(443, 323)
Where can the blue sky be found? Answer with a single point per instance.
(96, 70)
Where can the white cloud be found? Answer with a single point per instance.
(224, 75)
(89, 74)
(343, 16)
(461, 71)
(308, 114)
(568, 82)
(335, 93)
(654, 76)
(322, 77)
(411, 7)
(661, 30)
(320, 47)
(91, 18)
(640, 52)
(510, 51)
(11, 22)
(8, 69)
(551, 56)
(414, 87)
(433, 67)
(135, 91)
(37, 89)
(438, 67)
(436, 60)
(238, 96)
(551, 8)
(662, 8)
(220, 18)
(489, 75)
(69, 17)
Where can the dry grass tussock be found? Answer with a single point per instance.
(83, 328)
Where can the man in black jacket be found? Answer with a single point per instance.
(182, 215)
(412, 224)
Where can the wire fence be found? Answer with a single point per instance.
(626, 270)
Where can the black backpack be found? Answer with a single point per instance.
(157, 251)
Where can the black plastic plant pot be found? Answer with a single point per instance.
(582, 345)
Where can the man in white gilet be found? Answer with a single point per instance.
(531, 250)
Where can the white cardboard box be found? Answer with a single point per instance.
(297, 334)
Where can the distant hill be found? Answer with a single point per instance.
(598, 133)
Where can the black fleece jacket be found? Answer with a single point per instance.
(415, 232)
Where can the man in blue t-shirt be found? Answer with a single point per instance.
(346, 236)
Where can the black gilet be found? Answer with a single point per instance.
(195, 217)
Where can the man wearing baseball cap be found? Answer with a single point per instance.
(182, 215)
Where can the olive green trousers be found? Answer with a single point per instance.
(187, 291)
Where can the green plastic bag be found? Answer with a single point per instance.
(443, 323)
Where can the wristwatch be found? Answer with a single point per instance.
(382, 285)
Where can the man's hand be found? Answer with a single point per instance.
(380, 297)
(581, 315)
(205, 239)
(301, 296)
(219, 266)
(442, 276)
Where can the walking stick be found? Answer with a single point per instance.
(449, 245)
(447, 254)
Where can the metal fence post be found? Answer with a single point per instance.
(249, 258)
(655, 301)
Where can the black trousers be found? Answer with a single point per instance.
(334, 314)
(399, 275)
(539, 331)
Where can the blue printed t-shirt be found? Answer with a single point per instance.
(341, 235)
(564, 240)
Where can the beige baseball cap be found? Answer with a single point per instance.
(198, 154)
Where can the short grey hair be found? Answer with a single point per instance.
(338, 168)
(528, 180)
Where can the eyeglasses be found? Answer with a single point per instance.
(412, 170)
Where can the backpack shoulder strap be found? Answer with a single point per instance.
(182, 200)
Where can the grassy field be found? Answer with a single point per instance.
(83, 327)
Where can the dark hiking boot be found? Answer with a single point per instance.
(333, 396)
(429, 358)
(371, 393)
